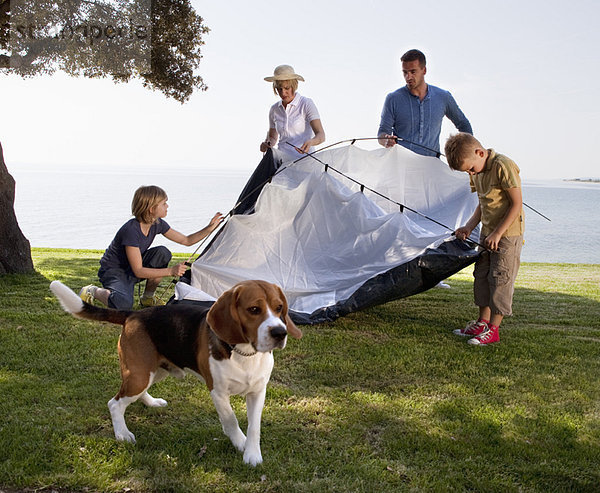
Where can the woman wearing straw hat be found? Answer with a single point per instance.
(293, 120)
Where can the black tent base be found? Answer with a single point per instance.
(416, 276)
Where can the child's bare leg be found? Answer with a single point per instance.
(485, 313)
(102, 294)
(151, 285)
(496, 319)
(91, 292)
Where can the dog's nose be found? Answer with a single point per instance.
(278, 333)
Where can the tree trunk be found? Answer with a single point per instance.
(15, 252)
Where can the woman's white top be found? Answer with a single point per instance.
(292, 123)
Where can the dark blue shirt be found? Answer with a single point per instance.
(405, 115)
(130, 234)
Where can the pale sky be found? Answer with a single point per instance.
(524, 72)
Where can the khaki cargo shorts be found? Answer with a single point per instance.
(495, 274)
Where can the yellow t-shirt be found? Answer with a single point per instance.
(499, 174)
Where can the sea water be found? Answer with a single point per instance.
(573, 234)
(74, 208)
(65, 207)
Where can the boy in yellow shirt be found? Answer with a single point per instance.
(496, 180)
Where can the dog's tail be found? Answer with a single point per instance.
(74, 305)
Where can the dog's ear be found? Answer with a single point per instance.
(292, 330)
(223, 318)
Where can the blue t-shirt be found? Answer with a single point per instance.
(130, 234)
(405, 115)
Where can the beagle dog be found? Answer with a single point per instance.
(228, 345)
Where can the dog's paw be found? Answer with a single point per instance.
(155, 402)
(125, 436)
(252, 457)
(238, 439)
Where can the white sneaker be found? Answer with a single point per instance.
(443, 285)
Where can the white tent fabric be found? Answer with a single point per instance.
(320, 238)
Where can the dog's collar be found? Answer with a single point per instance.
(240, 352)
(231, 347)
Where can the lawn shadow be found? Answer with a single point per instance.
(530, 398)
(452, 445)
(529, 305)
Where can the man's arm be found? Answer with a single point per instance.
(456, 116)
(386, 123)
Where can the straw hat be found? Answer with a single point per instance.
(284, 72)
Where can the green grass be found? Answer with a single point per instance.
(383, 400)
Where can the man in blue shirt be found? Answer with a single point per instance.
(414, 113)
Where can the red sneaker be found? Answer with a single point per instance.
(473, 328)
(489, 336)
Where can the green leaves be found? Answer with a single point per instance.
(156, 41)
